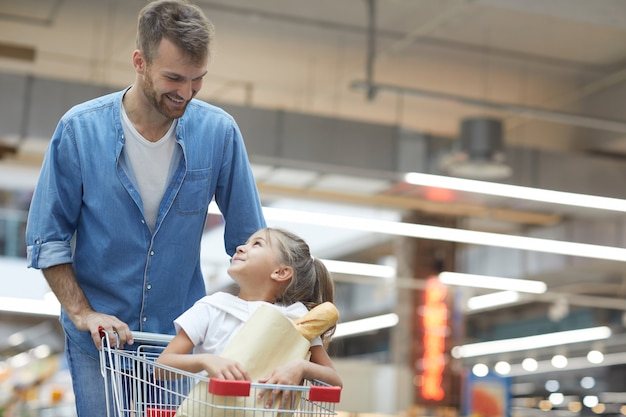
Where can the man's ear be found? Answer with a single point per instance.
(139, 62)
(282, 273)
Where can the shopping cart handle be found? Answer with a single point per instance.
(325, 394)
(160, 412)
(144, 337)
(156, 338)
(228, 387)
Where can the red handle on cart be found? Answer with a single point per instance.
(234, 388)
(160, 412)
(227, 387)
(325, 394)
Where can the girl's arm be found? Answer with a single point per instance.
(177, 354)
(319, 367)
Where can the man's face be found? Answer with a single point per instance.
(172, 80)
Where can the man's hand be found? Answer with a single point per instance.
(63, 283)
(117, 331)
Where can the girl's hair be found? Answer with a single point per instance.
(311, 283)
(182, 23)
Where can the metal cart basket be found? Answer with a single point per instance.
(136, 386)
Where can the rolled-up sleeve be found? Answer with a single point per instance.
(44, 255)
(55, 206)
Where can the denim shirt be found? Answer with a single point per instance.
(86, 210)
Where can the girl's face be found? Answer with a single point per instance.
(255, 259)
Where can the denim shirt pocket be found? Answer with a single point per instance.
(194, 196)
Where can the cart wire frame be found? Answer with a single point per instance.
(132, 389)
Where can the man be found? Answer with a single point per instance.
(118, 213)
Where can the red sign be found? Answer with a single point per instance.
(435, 325)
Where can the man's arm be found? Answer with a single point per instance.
(63, 283)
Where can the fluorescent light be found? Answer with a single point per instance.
(494, 283)
(517, 192)
(366, 325)
(492, 300)
(421, 231)
(357, 268)
(446, 234)
(46, 307)
(531, 342)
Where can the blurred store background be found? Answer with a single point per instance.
(414, 144)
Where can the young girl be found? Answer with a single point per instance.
(274, 266)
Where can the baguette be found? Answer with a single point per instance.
(317, 321)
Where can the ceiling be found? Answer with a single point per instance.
(558, 60)
(554, 72)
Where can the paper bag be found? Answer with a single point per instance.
(268, 339)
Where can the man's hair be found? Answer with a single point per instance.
(182, 23)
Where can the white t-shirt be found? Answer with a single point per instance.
(151, 162)
(213, 320)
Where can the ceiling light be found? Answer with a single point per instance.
(480, 154)
(495, 299)
(16, 339)
(559, 361)
(480, 370)
(531, 342)
(19, 360)
(357, 268)
(590, 401)
(552, 385)
(30, 306)
(588, 382)
(442, 233)
(41, 351)
(573, 363)
(366, 325)
(530, 364)
(595, 356)
(556, 398)
(502, 367)
(517, 192)
(495, 283)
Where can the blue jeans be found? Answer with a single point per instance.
(87, 382)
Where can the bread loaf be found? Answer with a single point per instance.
(317, 321)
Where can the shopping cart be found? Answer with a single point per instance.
(136, 386)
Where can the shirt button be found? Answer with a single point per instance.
(143, 221)
(151, 252)
(149, 286)
(145, 319)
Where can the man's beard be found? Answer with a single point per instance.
(159, 103)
